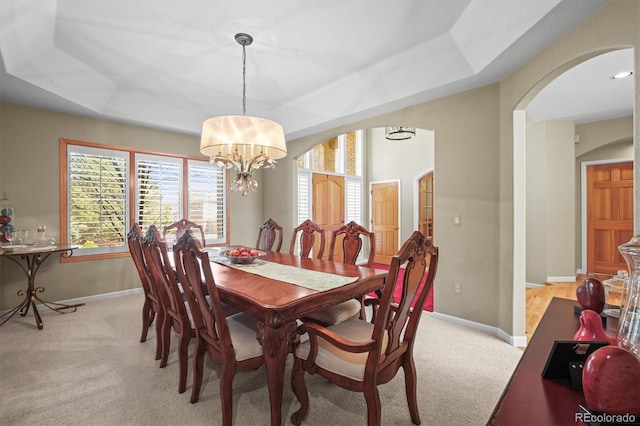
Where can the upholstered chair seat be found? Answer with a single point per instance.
(334, 359)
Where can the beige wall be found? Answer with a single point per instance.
(592, 136)
(561, 207)
(29, 175)
(550, 201)
(536, 203)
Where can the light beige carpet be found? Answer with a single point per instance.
(88, 368)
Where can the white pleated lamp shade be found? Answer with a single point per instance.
(249, 136)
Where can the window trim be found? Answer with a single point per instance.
(64, 224)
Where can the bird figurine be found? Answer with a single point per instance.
(591, 329)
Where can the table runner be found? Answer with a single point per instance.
(314, 280)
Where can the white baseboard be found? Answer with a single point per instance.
(562, 279)
(533, 285)
(92, 298)
(102, 296)
(518, 341)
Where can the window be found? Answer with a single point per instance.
(304, 195)
(207, 199)
(353, 195)
(97, 198)
(106, 189)
(158, 190)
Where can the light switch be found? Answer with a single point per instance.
(457, 219)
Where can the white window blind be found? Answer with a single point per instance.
(304, 195)
(207, 199)
(158, 190)
(97, 182)
(353, 195)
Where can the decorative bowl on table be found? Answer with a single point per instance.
(242, 255)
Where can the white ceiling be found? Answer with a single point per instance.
(314, 64)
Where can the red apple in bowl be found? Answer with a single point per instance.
(242, 255)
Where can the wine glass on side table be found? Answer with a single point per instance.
(10, 235)
(22, 235)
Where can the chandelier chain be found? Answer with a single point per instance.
(244, 80)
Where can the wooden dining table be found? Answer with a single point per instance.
(277, 304)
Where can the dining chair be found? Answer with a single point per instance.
(176, 314)
(359, 355)
(153, 307)
(230, 341)
(307, 232)
(269, 233)
(180, 227)
(350, 236)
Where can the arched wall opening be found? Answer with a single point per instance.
(405, 161)
(568, 239)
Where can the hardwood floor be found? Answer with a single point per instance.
(538, 299)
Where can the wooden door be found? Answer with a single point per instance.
(609, 215)
(425, 205)
(328, 207)
(385, 220)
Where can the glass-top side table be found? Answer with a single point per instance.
(30, 258)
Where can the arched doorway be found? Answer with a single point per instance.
(550, 227)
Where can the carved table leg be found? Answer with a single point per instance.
(275, 346)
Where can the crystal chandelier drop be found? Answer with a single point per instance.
(242, 142)
(399, 133)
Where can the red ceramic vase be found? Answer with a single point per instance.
(590, 294)
(611, 381)
(591, 329)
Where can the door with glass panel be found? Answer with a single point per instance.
(425, 205)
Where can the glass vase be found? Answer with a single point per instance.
(629, 322)
(6, 218)
(41, 240)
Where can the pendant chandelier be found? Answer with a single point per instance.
(242, 142)
(399, 133)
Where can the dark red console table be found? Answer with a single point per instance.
(529, 399)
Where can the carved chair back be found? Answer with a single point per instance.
(180, 227)
(353, 235)
(269, 234)
(308, 231)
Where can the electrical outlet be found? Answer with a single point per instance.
(457, 288)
